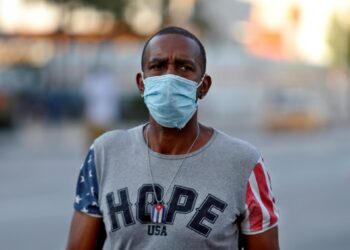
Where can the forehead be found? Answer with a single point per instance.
(172, 45)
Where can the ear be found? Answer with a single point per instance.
(139, 83)
(204, 88)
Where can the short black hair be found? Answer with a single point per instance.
(180, 31)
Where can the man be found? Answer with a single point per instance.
(173, 183)
(101, 103)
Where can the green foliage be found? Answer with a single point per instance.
(339, 42)
(115, 6)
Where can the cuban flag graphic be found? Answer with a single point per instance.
(158, 213)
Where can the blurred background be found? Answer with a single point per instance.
(281, 80)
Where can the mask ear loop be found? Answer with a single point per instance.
(143, 79)
(200, 83)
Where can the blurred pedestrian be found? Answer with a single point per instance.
(100, 96)
(173, 183)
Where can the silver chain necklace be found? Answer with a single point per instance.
(158, 209)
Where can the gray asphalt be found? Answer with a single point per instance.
(310, 176)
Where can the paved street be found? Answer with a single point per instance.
(310, 174)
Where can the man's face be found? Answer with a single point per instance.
(173, 54)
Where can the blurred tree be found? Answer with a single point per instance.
(339, 42)
(115, 6)
(118, 8)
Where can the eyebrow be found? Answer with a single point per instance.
(185, 61)
(158, 60)
(177, 61)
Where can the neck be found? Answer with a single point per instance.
(169, 140)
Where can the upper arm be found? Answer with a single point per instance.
(86, 232)
(87, 228)
(267, 240)
(259, 225)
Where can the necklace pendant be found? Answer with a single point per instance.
(158, 213)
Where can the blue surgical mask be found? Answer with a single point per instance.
(171, 99)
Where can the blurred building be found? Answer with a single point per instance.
(295, 29)
(255, 51)
(310, 32)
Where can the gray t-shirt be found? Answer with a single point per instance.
(203, 205)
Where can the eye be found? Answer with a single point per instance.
(156, 66)
(186, 68)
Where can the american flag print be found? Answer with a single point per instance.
(158, 213)
(86, 199)
(261, 211)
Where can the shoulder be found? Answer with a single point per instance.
(118, 139)
(240, 149)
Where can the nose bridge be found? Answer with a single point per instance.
(171, 68)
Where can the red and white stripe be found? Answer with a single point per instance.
(260, 209)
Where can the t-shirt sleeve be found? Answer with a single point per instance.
(261, 211)
(86, 198)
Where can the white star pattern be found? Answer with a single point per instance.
(86, 199)
(77, 199)
(90, 159)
